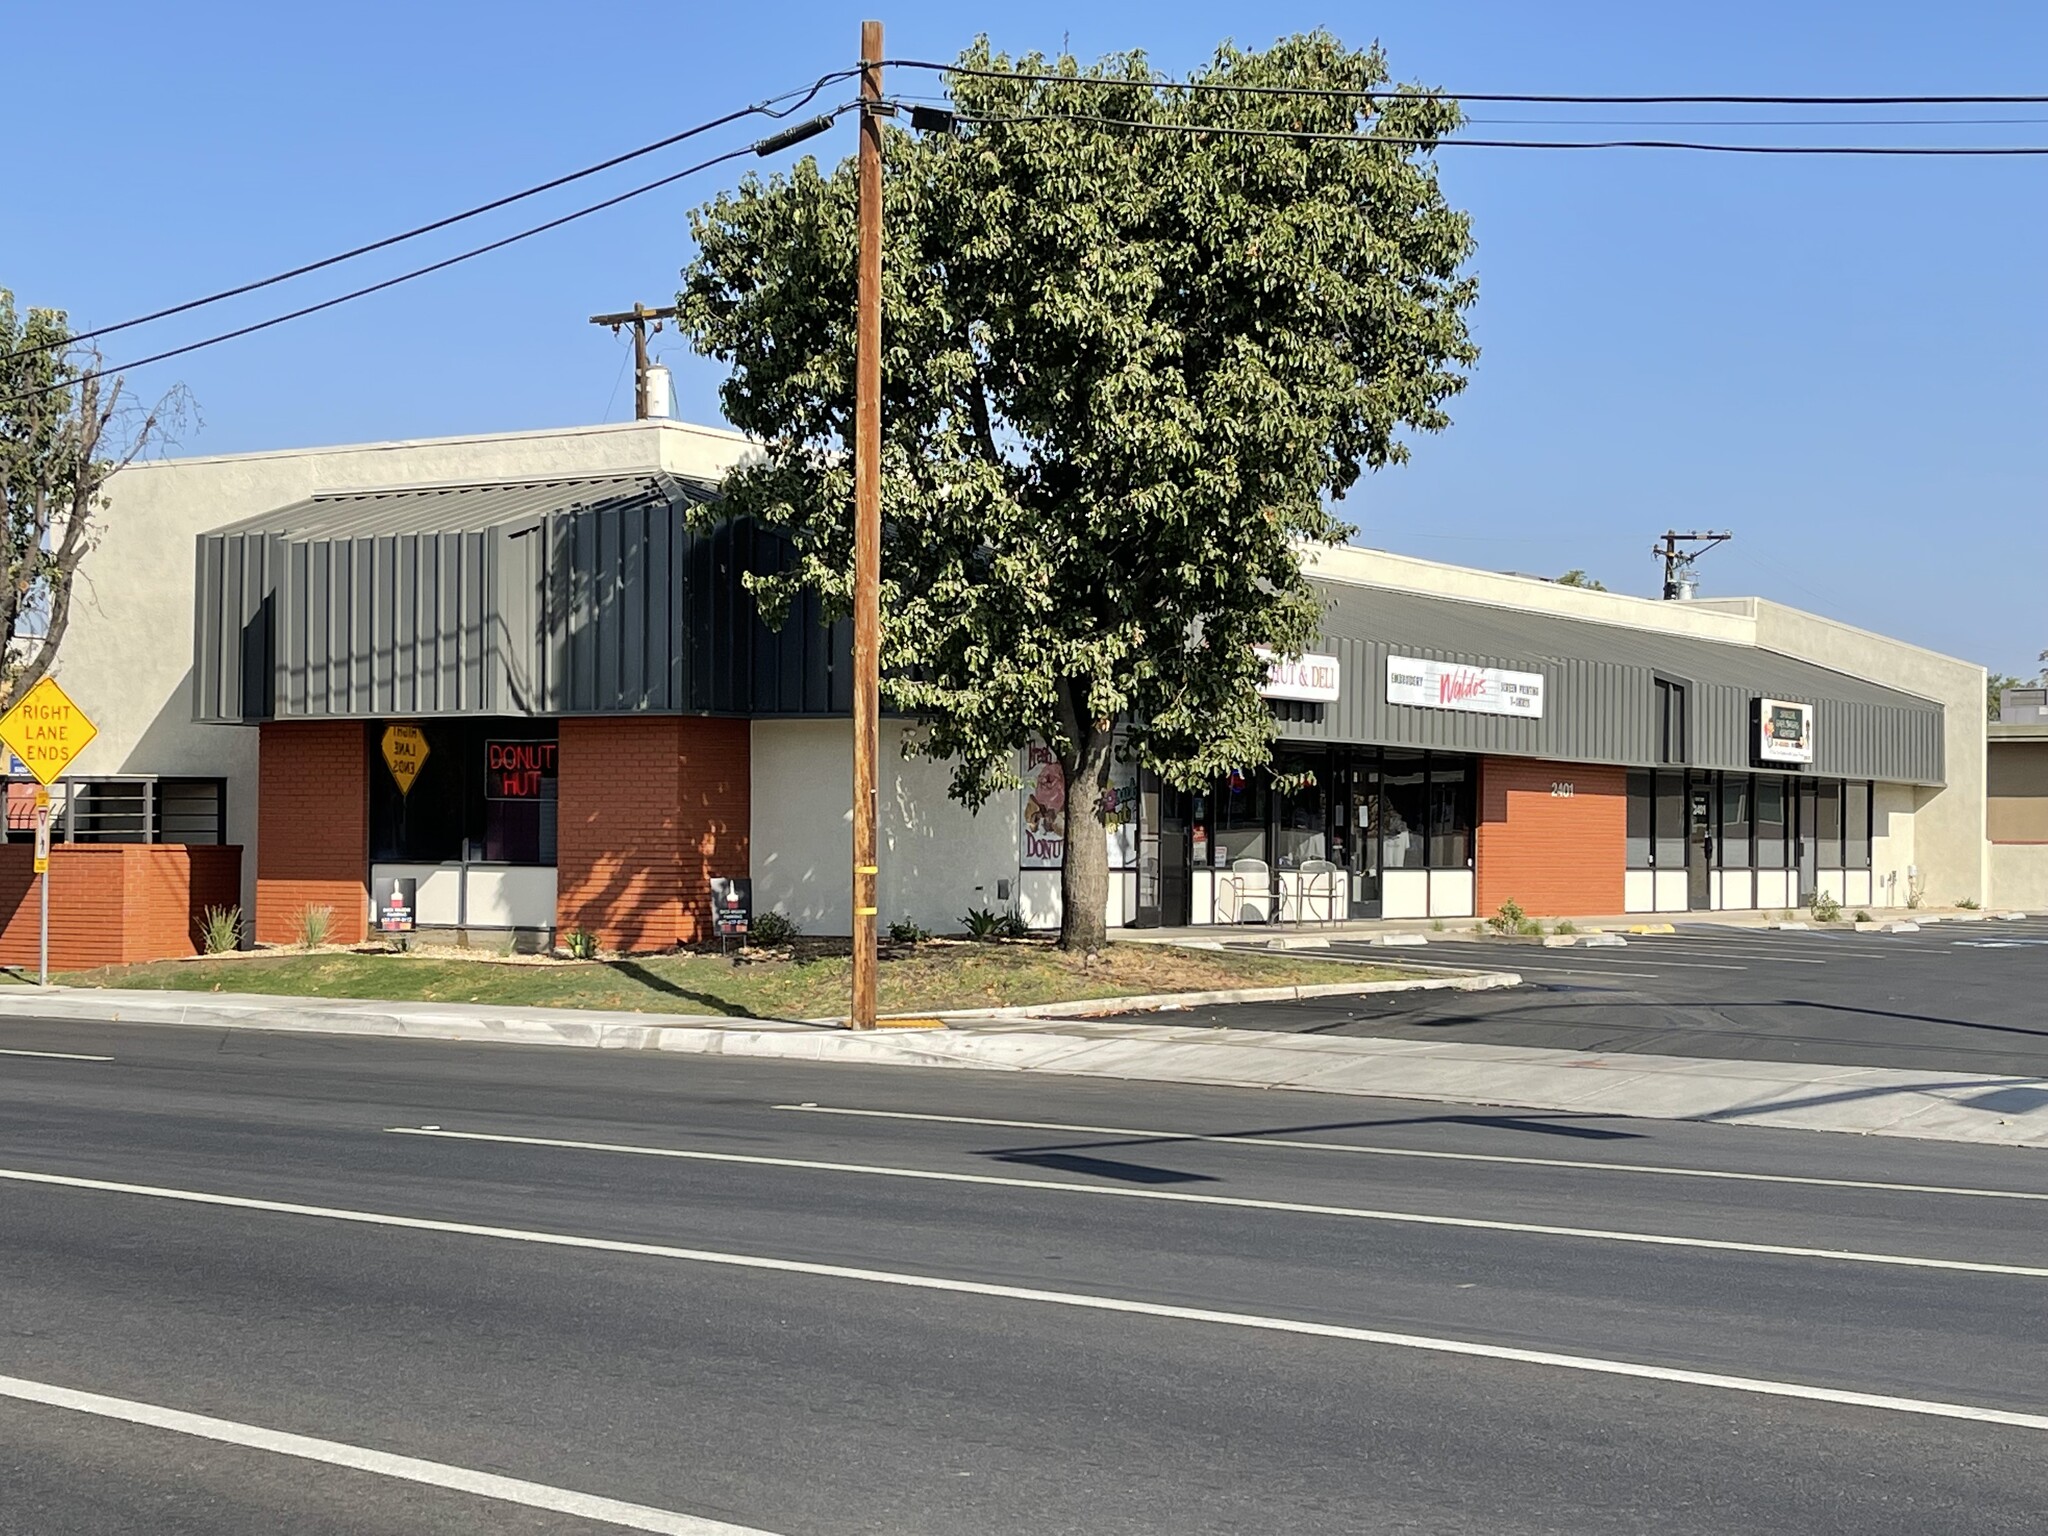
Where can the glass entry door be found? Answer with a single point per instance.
(1164, 894)
(1807, 841)
(1357, 806)
(1699, 843)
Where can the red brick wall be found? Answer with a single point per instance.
(1553, 855)
(648, 809)
(312, 828)
(114, 903)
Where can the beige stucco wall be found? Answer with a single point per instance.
(127, 657)
(2019, 876)
(937, 857)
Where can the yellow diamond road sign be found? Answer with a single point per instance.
(46, 730)
(405, 753)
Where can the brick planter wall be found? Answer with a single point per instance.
(648, 809)
(1553, 855)
(312, 828)
(114, 903)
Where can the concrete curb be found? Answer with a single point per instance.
(1938, 1106)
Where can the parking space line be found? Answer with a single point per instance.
(1095, 1302)
(55, 1055)
(1231, 1202)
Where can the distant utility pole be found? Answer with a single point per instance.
(1678, 578)
(867, 532)
(637, 317)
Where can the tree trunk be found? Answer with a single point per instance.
(1084, 873)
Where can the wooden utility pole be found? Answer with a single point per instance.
(867, 531)
(637, 317)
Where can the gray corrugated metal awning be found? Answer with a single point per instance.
(1600, 699)
(587, 595)
(469, 507)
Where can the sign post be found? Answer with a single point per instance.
(45, 731)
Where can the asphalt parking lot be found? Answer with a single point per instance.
(1969, 996)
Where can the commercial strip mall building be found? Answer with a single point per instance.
(607, 726)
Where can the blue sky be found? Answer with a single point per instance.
(1840, 360)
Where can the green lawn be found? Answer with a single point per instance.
(928, 978)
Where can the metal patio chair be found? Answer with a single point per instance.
(1319, 888)
(1245, 879)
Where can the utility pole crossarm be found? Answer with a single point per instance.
(638, 317)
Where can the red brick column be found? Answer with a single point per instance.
(312, 828)
(648, 809)
(1552, 853)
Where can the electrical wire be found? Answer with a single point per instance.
(1403, 93)
(1301, 135)
(406, 277)
(803, 95)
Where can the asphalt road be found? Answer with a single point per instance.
(949, 1302)
(1966, 997)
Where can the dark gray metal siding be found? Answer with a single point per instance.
(1600, 696)
(591, 597)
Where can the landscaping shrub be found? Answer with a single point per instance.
(221, 931)
(771, 929)
(312, 926)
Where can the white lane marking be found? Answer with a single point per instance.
(1080, 1300)
(1524, 967)
(410, 1469)
(1637, 957)
(55, 1055)
(1239, 1202)
(1656, 953)
(1254, 1140)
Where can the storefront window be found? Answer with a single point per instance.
(1671, 820)
(1856, 831)
(1450, 814)
(1639, 810)
(1734, 841)
(485, 793)
(1405, 821)
(1240, 831)
(1198, 829)
(1299, 812)
(1770, 821)
(1828, 823)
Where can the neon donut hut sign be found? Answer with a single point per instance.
(1453, 685)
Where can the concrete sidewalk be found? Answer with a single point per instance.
(1941, 1106)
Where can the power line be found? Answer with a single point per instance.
(1403, 93)
(1313, 136)
(804, 96)
(767, 145)
(1762, 122)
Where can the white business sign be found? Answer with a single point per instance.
(1310, 679)
(1452, 685)
(1784, 731)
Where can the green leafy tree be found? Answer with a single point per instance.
(1125, 370)
(1995, 685)
(63, 435)
(1578, 578)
